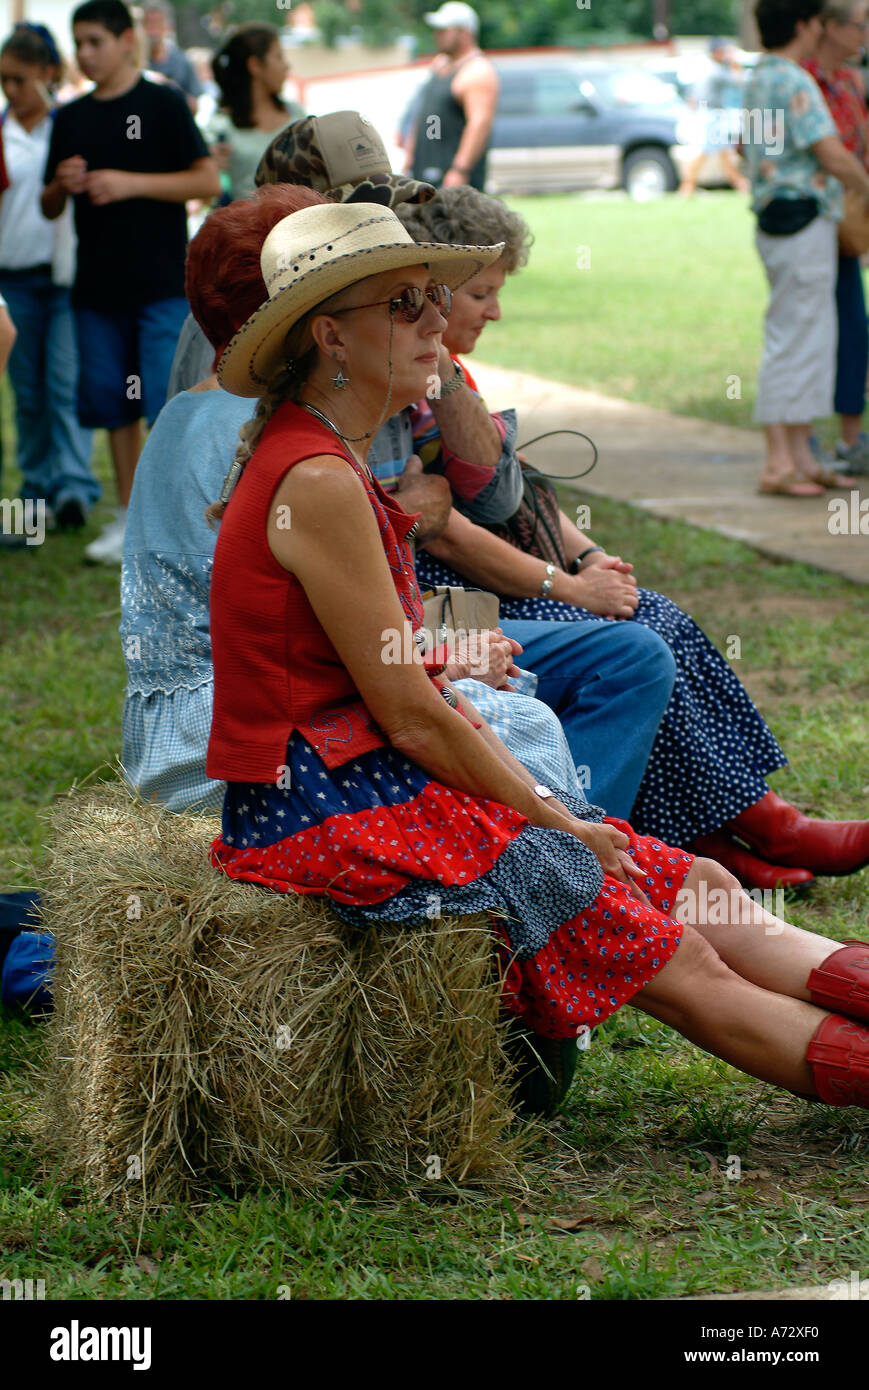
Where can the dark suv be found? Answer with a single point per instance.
(576, 124)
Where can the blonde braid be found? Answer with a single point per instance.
(300, 358)
(281, 387)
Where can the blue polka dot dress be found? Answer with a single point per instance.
(713, 749)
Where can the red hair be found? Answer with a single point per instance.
(223, 279)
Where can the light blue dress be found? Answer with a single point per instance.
(165, 579)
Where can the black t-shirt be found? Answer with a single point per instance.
(434, 155)
(131, 252)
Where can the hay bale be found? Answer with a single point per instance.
(212, 1032)
(177, 991)
(425, 1098)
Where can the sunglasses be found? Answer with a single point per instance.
(410, 303)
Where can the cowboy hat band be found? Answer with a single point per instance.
(311, 255)
(341, 156)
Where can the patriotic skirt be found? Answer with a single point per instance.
(386, 844)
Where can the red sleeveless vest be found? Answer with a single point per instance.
(275, 669)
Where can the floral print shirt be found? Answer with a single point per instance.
(785, 116)
(844, 95)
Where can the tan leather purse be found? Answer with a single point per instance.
(459, 610)
(854, 226)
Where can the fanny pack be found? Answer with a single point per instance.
(787, 216)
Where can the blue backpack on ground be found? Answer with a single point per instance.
(26, 954)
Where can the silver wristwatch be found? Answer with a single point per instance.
(545, 793)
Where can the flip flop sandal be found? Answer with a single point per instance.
(790, 485)
(827, 477)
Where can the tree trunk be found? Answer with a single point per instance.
(748, 35)
(661, 19)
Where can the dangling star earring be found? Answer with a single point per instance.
(339, 380)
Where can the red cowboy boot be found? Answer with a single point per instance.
(779, 832)
(839, 1058)
(751, 871)
(841, 982)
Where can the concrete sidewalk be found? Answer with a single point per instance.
(677, 467)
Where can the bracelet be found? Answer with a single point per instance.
(454, 382)
(460, 169)
(548, 581)
(579, 559)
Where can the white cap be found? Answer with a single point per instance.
(454, 14)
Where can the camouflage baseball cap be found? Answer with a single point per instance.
(341, 156)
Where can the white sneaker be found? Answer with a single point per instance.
(108, 548)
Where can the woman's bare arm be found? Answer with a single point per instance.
(465, 426)
(492, 563)
(598, 838)
(500, 749)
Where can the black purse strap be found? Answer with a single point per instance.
(562, 477)
(540, 517)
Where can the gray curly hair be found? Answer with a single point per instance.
(841, 11)
(465, 217)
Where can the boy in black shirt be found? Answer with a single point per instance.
(130, 155)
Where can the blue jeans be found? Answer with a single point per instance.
(852, 354)
(609, 683)
(53, 450)
(126, 357)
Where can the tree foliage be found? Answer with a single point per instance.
(502, 25)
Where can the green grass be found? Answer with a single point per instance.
(636, 1165)
(668, 310)
(629, 1195)
(61, 673)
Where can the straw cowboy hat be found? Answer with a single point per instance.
(314, 253)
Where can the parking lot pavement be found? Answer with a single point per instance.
(674, 466)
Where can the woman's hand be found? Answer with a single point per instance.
(605, 590)
(610, 846)
(485, 656)
(426, 493)
(607, 562)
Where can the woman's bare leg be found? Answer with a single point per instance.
(782, 461)
(760, 947)
(760, 1032)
